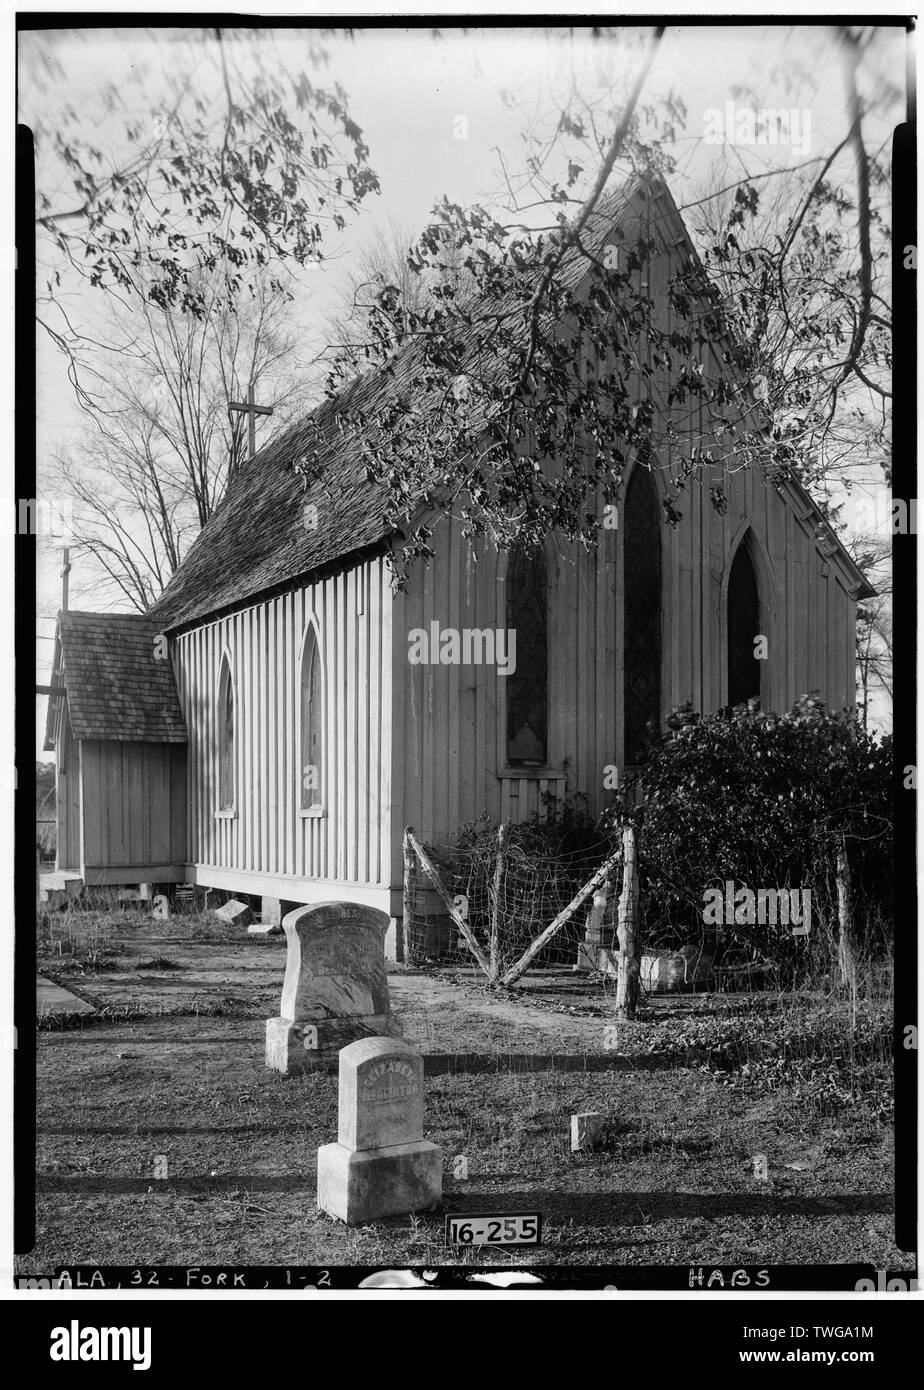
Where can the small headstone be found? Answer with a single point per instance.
(381, 1164)
(161, 906)
(586, 1130)
(264, 929)
(394, 940)
(272, 910)
(593, 932)
(237, 914)
(335, 989)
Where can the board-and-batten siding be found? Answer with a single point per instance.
(134, 810)
(450, 750)
(67, 797)
(268, 845)
(450, 758)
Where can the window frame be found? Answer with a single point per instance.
(226, 759)
(506, 769)
(311, 648)
(659, 713)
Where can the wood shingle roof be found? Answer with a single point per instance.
(116, 687)
(261, 539)
(257, 540)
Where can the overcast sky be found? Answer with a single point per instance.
(407, 91)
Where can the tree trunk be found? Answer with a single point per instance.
(628, 982)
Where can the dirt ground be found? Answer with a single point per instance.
(169, 1077)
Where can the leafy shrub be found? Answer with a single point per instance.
(763, 800)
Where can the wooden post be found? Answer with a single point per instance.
(431, 871)
(627, 984)
(502, 836)
(846, 936)
(409, 895)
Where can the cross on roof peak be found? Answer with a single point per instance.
(251, 410)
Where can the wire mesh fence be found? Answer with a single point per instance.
(497, 895)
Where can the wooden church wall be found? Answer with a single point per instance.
(134, 811)
(449, 753)
(449, 749)
(269, 845)
(67, 796)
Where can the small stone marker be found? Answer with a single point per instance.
(272, 910)
(586, 1130)
(335, 989)
(264, 929)
(238, 914)
(161, 906)
(381, 1164)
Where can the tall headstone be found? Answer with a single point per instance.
(381, 1164)
(335, 989)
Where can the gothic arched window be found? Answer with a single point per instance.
(641, 611)
(311, 725)
(225, 737)
(528, 685)
(743, 612)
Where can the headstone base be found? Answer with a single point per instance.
(363, 1185)
(304, 1046)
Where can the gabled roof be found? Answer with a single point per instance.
(258, 540)
(116, 687)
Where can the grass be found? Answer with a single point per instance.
(172, 1066)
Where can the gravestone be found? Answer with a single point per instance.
(335, 989)
(272, 910)
(381, 1164)
(586, 1130)
(235, 913)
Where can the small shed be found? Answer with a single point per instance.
(119, 738)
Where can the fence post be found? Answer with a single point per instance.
(846, 936)
(627, 985)
(502, 834)
(429, 868)
(410, 892)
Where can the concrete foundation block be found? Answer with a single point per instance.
(315, 1046)
(359, 1186)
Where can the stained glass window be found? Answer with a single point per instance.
(743, 626)
(528, 686)
(641, 611)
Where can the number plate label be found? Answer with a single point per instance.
(523, 1228)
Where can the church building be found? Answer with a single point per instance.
(282, 712)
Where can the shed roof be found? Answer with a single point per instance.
(116, 687)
